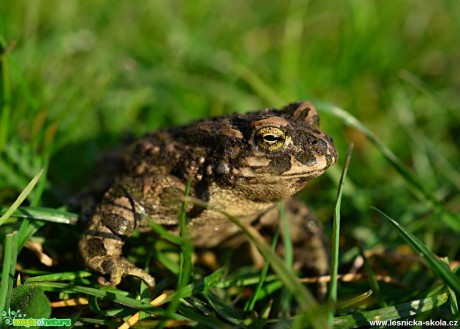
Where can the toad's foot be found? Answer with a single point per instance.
(116, 268)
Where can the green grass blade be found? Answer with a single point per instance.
(262, 277)
(400, 311)
(93, 305)
(371, 278)
(194, 288)
(100, 322)
(287, 242)
(171, 264)
(9, 267)
(64, 276)
(268, 289)
(27, 229)
(44, 214)
(332, 298)
(114, 295)
(41, 185)
(355, 300)
(286, 296)
(186, 266)
(161, 231)
(207, 320)
(224, 310)
(245, 281)
(21, 198)
(431, 260)
(454, 304)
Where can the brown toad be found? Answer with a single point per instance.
(242, 164)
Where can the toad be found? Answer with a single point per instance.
(241, 163)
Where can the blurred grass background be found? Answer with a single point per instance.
(81, 74)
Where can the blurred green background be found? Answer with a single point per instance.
(78, 75)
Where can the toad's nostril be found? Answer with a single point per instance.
(319, 146)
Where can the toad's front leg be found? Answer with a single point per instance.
(112, 224)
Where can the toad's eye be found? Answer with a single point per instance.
(270, 138)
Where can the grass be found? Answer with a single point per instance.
(384, 75)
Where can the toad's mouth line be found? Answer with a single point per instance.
(267, 179)
(311, 173)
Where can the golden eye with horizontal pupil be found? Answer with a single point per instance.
(270, 138)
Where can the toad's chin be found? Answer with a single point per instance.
(307, 175)
(315, 169)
